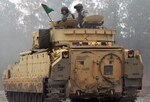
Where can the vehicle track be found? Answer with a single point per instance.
(145, 98)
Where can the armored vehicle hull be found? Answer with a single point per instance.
(76, 64)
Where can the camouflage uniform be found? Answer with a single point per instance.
(66, 14)
(81, 13)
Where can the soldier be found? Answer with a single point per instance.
(81, 13)
(66, 14)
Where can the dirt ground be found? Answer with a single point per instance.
(144, 96)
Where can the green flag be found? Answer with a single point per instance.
(47, 9)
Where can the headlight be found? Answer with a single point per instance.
(131, 54)
(65, 54)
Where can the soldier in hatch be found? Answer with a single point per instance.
(81, 13)
(66, 14)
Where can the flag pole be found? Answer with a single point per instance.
(48, 10)
(49, 17)
(51, 20)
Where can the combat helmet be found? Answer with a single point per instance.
(64, 9)
(78, 7)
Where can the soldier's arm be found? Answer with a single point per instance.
(85, 13)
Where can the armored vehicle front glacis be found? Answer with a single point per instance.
(67, 62)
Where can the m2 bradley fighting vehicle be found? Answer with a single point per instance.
(67, 62)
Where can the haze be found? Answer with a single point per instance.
(18, 18)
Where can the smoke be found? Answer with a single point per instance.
(131, 19)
